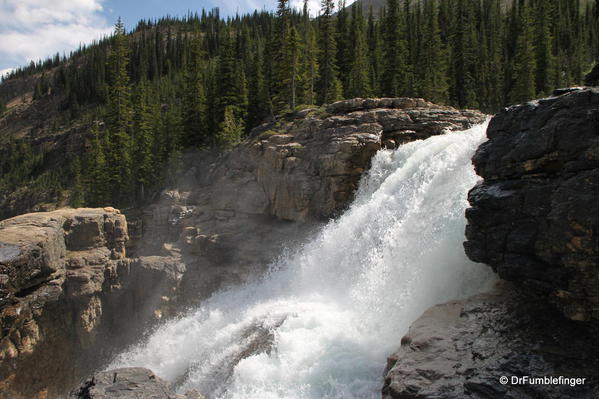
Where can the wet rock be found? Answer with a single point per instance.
(128, 383)
(461, 349)
(535, 217)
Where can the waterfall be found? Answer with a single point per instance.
(321, 323)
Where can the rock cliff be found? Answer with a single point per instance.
(68, 293)
(534, 219)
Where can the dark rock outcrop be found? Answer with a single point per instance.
(128, 383)
(592, 79)
(461, 349)
(535, 220)
(69, 294)
(535, 217)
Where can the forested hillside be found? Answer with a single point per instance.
(128, 106)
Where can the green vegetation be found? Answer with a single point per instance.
(203, 82)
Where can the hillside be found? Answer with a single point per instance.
(108, 124)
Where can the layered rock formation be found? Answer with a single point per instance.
(68, 294)
(535, 220)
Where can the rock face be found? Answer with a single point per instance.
(535, 217)
(592, 79)
(66, 290)
(535, 220)
(128, 383)
(461, 349)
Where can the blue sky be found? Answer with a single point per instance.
(34, 29)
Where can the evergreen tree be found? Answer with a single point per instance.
(77, 194)
(144, 142)
(119, 118)
(524, 60)
(292, 69)
(309, 59)
(231, 129)
(358, 82)
(97, 190)
(329, 87)
(281, 75)
(344, 44)
(194, 101)
(464, 56)
(374, 52)
(432, 65)
(395, 69)
(545, 61)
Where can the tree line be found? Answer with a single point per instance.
(204, 81)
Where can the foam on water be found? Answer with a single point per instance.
(323, 321)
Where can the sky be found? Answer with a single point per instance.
(36, 29)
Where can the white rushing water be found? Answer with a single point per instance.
(323, 321)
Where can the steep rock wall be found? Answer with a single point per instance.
(68, 293)
(535, 217)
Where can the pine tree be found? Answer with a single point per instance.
(77, 194)
(545, 61)
(329, 87)
(344, 44)
(374, 52)
(524, 60)
(281, 76)
(292, 71)
(257, 90)
(194, 101)
(358, 82)
(309, 59)
(144, 141)
(119, 119)
(432, 65)
(97, 188)
(395, 69)
(464, 56)
(230, 129)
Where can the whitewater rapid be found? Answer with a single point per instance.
(321, 323)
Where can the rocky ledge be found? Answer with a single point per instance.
(462, 349)
(68, 294)
(128, 383)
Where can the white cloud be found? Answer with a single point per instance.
(36, 29)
